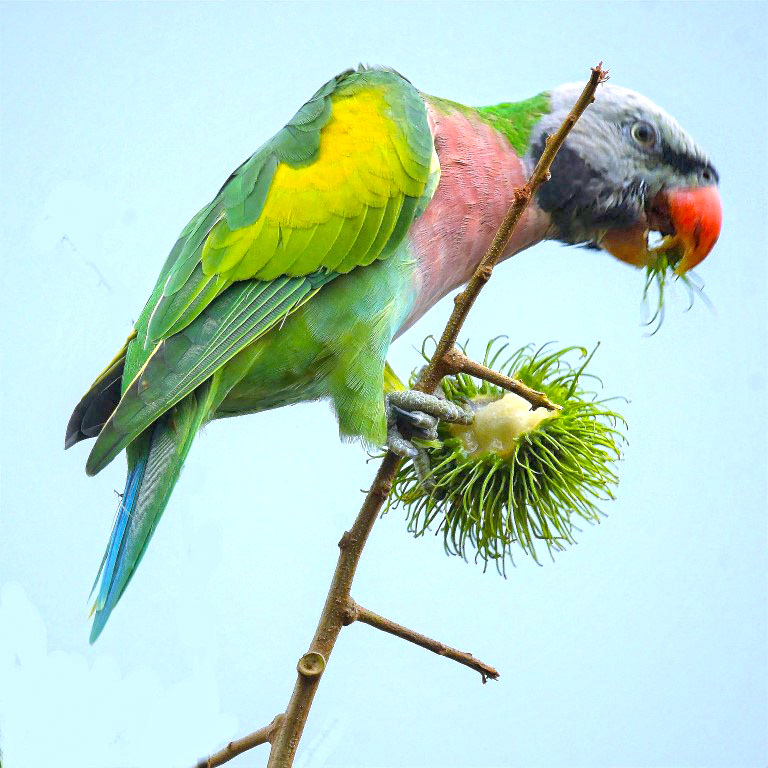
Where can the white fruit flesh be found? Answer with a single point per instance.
(498, 423)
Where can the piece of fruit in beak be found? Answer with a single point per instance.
(693, 215)
(696, 215)
(630, 245)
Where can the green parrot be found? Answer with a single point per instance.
(342, 230)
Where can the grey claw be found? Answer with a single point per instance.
(420, 414)
(399, 445)
(416, 419)
(423, 468)
(444, 410)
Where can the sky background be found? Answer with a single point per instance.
(644, 645)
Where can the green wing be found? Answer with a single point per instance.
(336, 189)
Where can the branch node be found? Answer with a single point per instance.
(452, 360)
(351, 612)
(311, 664)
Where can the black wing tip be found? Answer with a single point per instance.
(73, 437)
(74, 431)
(78, 429)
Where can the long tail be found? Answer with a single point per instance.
(155, 459)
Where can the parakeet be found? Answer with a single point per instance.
(342, 230)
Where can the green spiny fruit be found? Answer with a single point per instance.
(516, 475)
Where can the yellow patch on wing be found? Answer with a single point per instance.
(362, 167)
(357, 165)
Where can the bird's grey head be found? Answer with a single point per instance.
(627, 167)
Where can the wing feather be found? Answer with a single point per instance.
(180, 363)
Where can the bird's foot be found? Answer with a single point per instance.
(413, 414)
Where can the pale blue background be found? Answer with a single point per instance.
(645, 645)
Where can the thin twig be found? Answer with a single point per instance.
(356, 612)
(312, 665)
(455, 361)
(234, 748)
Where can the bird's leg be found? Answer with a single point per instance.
(413, 414)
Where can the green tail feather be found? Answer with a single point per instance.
(155, 460)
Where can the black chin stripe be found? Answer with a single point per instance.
(684, 163)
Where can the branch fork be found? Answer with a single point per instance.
(455, 361)
(284, 732)
(264, 735)
(356, 612)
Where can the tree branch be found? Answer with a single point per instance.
(455, 361)
(333, 615)
(356, 612)
(234, 748)
(335, 611)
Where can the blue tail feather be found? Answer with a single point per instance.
(116, 540)
(107, 577)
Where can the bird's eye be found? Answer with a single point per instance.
(644, 134)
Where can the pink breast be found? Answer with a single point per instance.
(479, 173)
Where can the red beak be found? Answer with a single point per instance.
(696, 214)
(693, 214)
